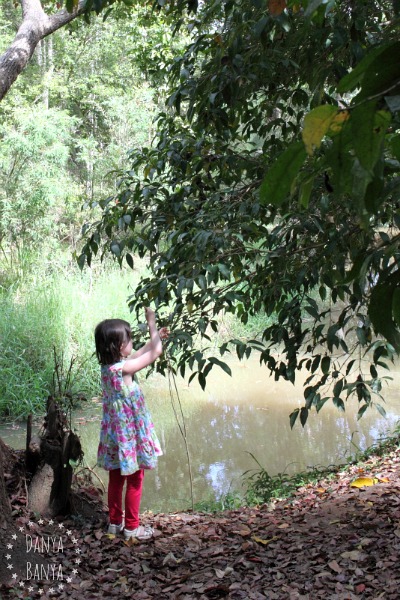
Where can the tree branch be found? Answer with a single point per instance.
(35, 25)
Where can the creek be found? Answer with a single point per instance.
(234, 420)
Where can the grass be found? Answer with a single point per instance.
(56, 311)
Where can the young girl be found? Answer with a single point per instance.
(128, 443)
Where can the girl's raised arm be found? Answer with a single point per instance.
(149, 353)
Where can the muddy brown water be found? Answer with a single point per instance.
(236, 419)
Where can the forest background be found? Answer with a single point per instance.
(271, 188)
(88, 96)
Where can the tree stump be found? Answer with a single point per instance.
(50, 489)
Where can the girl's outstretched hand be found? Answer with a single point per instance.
(150, 315)
(164, 333)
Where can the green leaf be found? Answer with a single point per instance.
(353, 79)
(129, 260)
(361, 411)
(338, 402)
(396, 306)
(369, 127)
(313, 6)
(303, 415)
(221, 364)
(278, 181)
(380, 409)
(115, 248)
(202, 380)
(373, 371)
(325, 365)
(395, 146)
(382, 74)
(380, 312)
(305, 192)
(338, 387)
(339, 160)
(293, 416)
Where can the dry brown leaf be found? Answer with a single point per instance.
(354, 555)
(276, 7)
(335, 566)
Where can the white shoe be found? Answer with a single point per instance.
(143, 532)
(114, 529)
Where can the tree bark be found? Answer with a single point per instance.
(6, 521)
(35, 26)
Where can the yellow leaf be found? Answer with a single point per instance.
(363, 482)
(264, 542)
(317, 123)
(338, 120)
(131, 542)
(276, 7)
(383, 479)
(320, 490)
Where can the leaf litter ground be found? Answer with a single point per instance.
(330, 540)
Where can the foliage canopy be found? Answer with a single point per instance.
(272, 186)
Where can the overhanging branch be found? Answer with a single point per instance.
(35, 25)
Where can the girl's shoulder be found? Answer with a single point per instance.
(114, 368)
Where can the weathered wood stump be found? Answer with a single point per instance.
(51, 458)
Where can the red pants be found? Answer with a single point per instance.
(133, 495)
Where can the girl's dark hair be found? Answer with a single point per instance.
(109, 336)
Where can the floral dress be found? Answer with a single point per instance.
(127, 437)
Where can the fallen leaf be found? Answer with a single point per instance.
(220, 574)
(130, 542)
(363, 482)
(334, 566)
(264, 542)
(171, 559)
(354, 555)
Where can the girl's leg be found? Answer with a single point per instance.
(133, 495)
(115, 486)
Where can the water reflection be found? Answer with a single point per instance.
(233, 419)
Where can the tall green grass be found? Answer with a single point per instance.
(55, 311)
